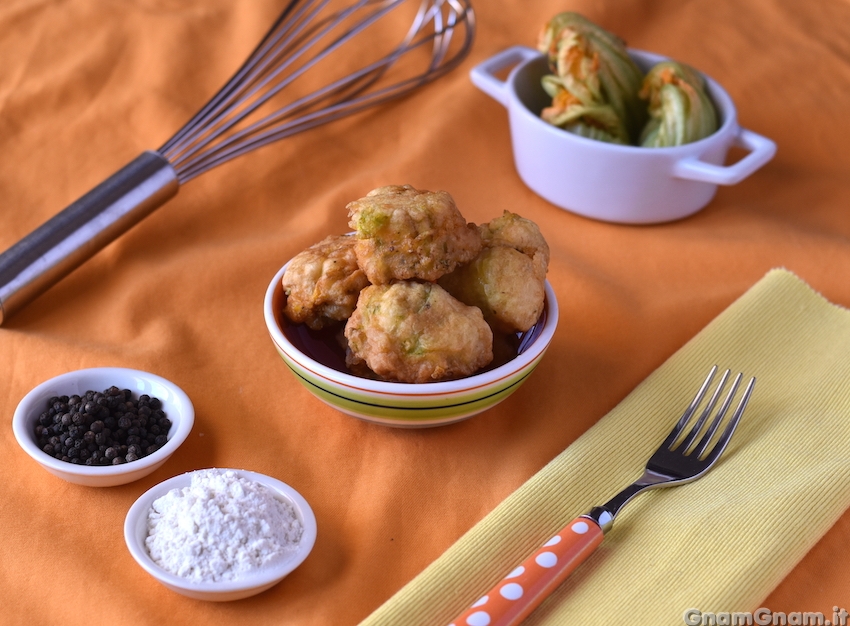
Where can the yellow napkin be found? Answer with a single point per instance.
(718, 545)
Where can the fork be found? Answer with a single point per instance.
(681, 458)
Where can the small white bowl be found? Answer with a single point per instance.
(136, 531)
(175, 403)
(604, 181)
(405, 405)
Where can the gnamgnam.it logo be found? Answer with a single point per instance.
(765, 617)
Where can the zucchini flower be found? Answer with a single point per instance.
(593, 121)
(679, 107)
(599, 77)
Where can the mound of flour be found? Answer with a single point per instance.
(221, 527)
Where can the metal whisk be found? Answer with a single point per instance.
(309, 39)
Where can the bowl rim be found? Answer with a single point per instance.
(720, 97)
(263, 577)
(27, 412)
(442, 388)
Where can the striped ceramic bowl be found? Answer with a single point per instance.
(318, 363)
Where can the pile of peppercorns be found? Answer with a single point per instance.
(107, 428)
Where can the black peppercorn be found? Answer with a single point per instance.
(107, 428)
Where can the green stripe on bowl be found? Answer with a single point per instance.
(413, 409)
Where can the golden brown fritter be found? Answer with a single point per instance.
(322, 283)
(416, 332)
(514, 231)
(503, 283)
(507, 279)
(403, 233)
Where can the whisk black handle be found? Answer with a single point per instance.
(65, 241)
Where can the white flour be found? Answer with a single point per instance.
(221, 527)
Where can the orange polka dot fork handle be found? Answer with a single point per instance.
(682, 457)
(516, 595)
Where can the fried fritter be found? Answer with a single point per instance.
(503, 283)
(322, 283)
(404, 233)
(416, 332)
(514, 231)
(507, 279)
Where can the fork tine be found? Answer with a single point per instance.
(686, 444)
(686, 416)
(726, 435)
(721, 413)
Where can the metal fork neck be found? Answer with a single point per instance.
(604, 515)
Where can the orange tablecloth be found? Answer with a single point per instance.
(86, 85)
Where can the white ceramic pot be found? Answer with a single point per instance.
(625, 184)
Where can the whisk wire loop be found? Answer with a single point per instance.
(269, 59)
(302, 38)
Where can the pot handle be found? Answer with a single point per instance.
(761, 150)
(483, 75)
